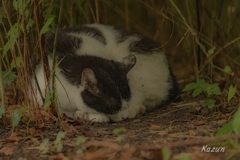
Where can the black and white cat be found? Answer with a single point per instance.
(104, 73)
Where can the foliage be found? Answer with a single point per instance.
(117, 130)
(231, 92)
(80, 140)
(18, 61)
(46, 28)
(79, 151)
(232, 125)
(8, 77)
(120, 138)
(17, 117)
(166, 153)
(47, 100)
(58, 142)
(208, 89)
(181, 157)
(43, 146)
(20, 6)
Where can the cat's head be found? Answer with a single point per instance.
(106, 86)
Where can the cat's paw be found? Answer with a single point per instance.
(96, 117)
(132, 112)
(127, 113)
(121, 115)
(81, 115)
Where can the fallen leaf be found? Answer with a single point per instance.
(146, 154)
(6, 151)
(220, 121)
(99, 154)
(153, 127)
(192, 133)
(198, 123)
(33, 132)
(13, 136)
(59, 156)
(127, 153)
(111, 145)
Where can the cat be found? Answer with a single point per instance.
(104, 73)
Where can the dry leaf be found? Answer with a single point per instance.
(198, 123)
(59, 156)
(146, 154)
(192, 133)
(33, 132)
(99, 154)
(153, 127)
(13, 136)
(127, 153)
(111, 145)
(6, 151)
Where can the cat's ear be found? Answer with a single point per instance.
(88, 78)
(128, 62)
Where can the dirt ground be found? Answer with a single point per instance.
(184, 127)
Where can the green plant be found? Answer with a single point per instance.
(117, 130)
(181, 157)
(58, 142)
(232, 125)
(231, 92)
(166, 153)
(8, 77)
(17, 117)
(43, 146)
(80, 140)
(208, 89)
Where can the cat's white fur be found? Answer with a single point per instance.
(148, 79)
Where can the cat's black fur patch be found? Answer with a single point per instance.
(123, 35)
(69, 44)
(144, 46)
(65, 45)
(174, 90)
(91, 31)
(109, 74)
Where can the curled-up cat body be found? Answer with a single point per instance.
(104, 73)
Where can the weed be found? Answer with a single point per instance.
(17, 117)
(206, 88)
(58, 142)
(43, 146)
(166, 153)
(80, 140)
(116, 131)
